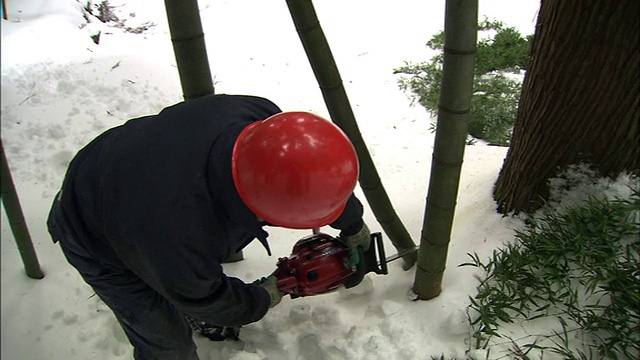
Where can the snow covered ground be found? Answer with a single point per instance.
(60, 89)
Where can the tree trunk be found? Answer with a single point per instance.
(580, 99)
(324, 67)
(189, 48)
(460, 31)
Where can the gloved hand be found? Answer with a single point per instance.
(361, 239)
(214, 332)
(270, 283)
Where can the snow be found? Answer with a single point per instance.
(60, 89)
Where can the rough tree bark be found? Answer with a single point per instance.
(580, 99)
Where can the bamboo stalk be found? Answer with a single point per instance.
(461, 18)
(324, 67)
(17, 222)
(189, 48)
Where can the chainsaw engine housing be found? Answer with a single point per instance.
(320, 263)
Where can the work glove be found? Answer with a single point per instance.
(361, 239)
(214, 332)
(270, 283)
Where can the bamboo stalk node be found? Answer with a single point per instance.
(303, 30)
(459, 52)
(442, 108)
(429, 272)
(337, 86)
(432, 204)
(188, 38)
(449, 164)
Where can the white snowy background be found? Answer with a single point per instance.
(60, 90)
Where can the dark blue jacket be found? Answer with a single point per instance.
(156, 196)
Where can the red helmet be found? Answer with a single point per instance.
(295, 170)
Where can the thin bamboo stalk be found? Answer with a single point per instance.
(189, 48)
(326, 71)
(17, 222)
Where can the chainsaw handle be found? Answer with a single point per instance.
(357, 277)
(380, 265)
(369, 262)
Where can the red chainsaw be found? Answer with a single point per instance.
(319, 263)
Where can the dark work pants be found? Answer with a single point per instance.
(155, 328)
